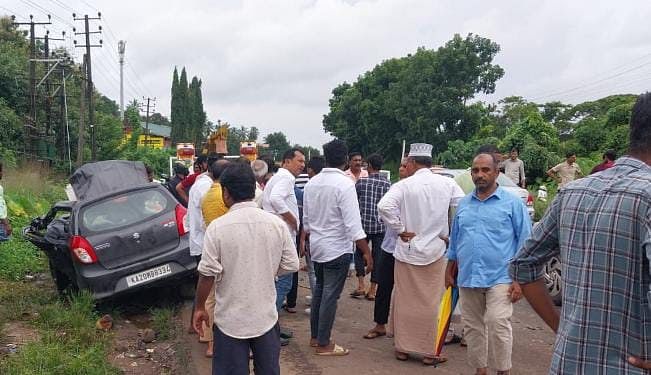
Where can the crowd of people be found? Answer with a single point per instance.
(250, 223)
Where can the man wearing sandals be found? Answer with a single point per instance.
(243, 251)
(385, 275)
(489, 227)
(417, 209)
(332, 221)
(369, 192)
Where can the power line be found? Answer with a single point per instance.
(588, 84)
(63, 6)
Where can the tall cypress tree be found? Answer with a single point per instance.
(174, 109)
(196, 113)
(184, 113)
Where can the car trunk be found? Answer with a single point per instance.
(130, 227)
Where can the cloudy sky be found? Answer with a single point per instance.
(273, 64)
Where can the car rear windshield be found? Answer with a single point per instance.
(123, 210)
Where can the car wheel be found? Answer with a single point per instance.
(63, 283)
(187, 289)
(553, 280)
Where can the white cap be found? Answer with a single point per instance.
(420, 149)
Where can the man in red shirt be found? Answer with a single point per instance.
(609, 161)
(184, 186)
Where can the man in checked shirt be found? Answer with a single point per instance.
(369, 192)
(601, 227)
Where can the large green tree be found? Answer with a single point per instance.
(421, 98)
(278, 144)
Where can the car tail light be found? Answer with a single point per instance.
(181, 218)
(530, 200)
(82, 250)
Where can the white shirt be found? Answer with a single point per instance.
(245, 250)
(331, 215)
(195, 217)
(259, 192)
(278, 196)
(423, 201)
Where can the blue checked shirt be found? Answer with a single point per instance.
(601, 228)
(369, 192)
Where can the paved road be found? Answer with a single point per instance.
(531, 353)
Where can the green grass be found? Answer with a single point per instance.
(162, 322)
(69, 342)
(19, 258)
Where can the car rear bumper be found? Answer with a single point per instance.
(103, 283)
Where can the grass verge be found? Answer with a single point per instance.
(68, 341)
(162, 322)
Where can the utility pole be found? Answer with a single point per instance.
(121, 46)
(48, 89)
(151, 102)
(89, 75)
(32, 77)
(80, 131)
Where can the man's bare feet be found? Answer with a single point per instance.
(314, 343)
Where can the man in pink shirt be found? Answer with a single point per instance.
(355, 171)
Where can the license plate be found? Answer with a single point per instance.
(148, 275)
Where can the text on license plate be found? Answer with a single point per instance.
(150, 274)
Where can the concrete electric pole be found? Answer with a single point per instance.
(121, 46)
(89, 76)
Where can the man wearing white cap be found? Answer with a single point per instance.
(418, 209)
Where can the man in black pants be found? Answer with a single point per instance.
(369, 192)
(385, 277)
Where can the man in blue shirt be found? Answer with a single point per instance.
(489, 227)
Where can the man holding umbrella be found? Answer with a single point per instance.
(489, 227)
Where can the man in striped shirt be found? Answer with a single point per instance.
(601, 228)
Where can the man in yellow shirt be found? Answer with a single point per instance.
(212, 207)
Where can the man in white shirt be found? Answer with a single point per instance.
(417, 209)
(196, 222)
(279, 198)
(195, 216)
(245, 249)
(332, 220)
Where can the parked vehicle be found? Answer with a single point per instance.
(120, 235)
(502, 180)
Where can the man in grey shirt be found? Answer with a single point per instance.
(514, 168)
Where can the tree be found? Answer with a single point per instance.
(238, 135)
(184, 116)
(196, 115)
(309, 150)
(537, 141)
(278, 144)
(175, 113)
(421, 98)
(159, 119)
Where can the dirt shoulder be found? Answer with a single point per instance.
(531, 350)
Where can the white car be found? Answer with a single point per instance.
(502, 180)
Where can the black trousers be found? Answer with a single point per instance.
(231, 355)
(384, 289)
(375, 240)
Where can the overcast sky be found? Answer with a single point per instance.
(273, 64)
